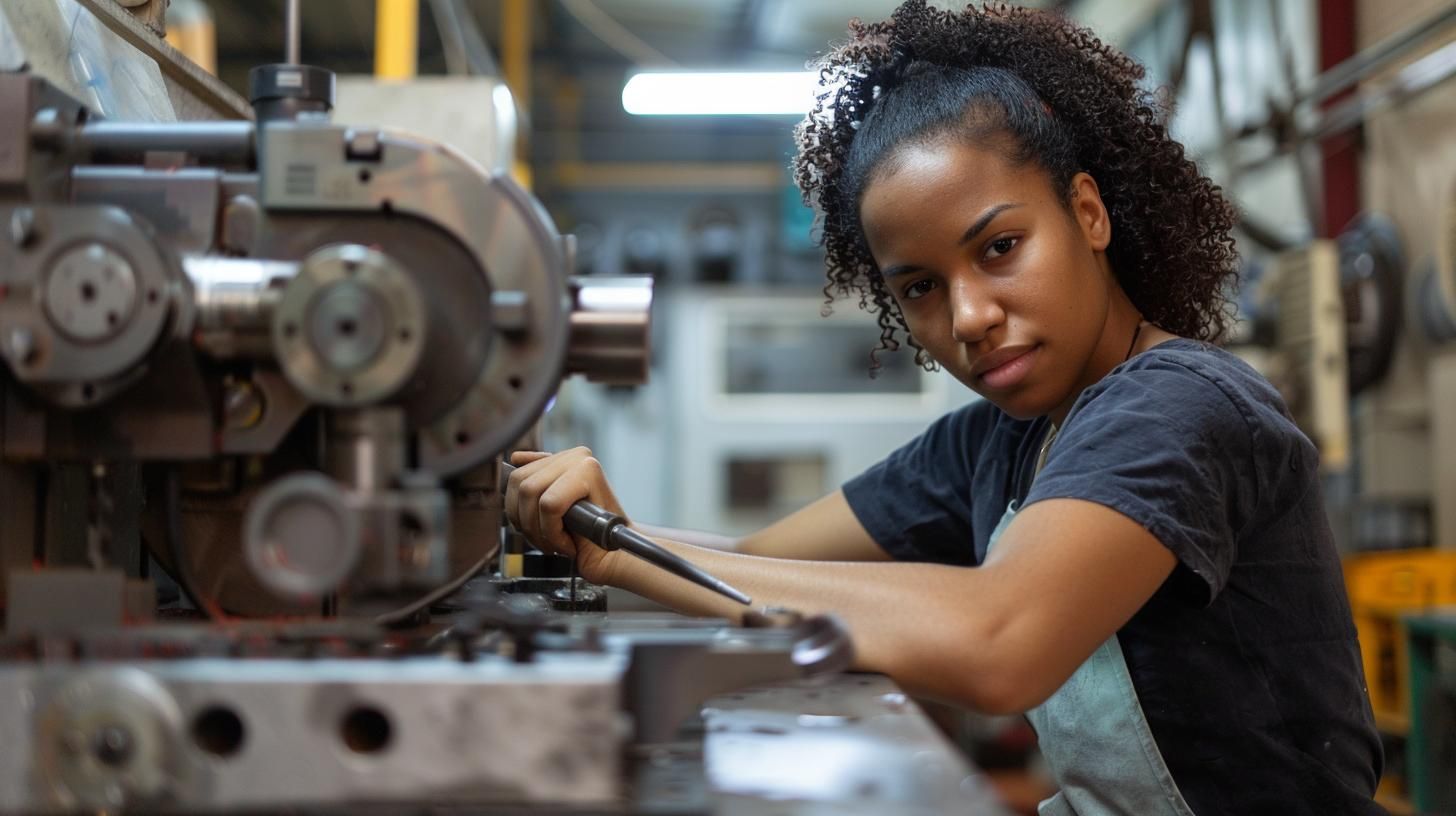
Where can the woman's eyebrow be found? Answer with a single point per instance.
(966, 237)
(898, 270)
(984, 221)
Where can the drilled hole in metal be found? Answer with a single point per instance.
(218, 730)
(366, 730)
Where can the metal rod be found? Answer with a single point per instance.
(293, 30)
(229, 143)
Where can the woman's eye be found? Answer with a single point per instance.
(919, 288)
(1001, 246)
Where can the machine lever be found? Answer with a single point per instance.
(610, 532)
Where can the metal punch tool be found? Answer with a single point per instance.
(610, 532)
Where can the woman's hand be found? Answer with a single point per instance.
(541, 490)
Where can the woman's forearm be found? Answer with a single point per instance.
(696, 538)
(944, 653)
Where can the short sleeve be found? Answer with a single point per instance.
(916, 503)
(1167, 447)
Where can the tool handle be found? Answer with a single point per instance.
(593, 522)
(610, 532)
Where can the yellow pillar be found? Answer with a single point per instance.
(516, 65)
(396, 38)
(190, 29)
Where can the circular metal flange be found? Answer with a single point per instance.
(90, 293)
(95, 295)
(511, 240)
(521, 252)
(109, 739)
(348, 328)
(301, 537)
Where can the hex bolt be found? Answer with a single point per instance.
(22, 227)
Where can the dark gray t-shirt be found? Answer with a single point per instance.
(1245, 661)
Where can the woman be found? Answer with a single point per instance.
(1155, 583)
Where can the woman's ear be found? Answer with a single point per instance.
(1090, 212)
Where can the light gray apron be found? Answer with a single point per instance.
(1097, 742)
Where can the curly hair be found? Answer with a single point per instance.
(1055, 95)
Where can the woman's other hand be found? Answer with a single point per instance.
(538, 494)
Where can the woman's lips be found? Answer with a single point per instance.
(1012, 371)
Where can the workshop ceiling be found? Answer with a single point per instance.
(690, 33)
(582, 52)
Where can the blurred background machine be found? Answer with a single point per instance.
(258, 369)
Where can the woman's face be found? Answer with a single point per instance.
(999, 279)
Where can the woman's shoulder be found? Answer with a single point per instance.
(1182, 372)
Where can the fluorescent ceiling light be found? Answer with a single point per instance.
(789, 93)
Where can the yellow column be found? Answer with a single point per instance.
(396, 38)
(516, 65)
(194, 34)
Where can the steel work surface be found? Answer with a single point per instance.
(847, 745)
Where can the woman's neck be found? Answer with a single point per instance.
(1124, 334)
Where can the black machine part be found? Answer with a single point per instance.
(1372, 268)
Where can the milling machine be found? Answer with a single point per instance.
(279, 359)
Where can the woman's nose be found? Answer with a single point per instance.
(974, 312)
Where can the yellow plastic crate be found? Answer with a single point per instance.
(1382, 588)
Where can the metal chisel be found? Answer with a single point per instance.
(610, 532)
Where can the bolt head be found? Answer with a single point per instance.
(112, 745)
(22, 227)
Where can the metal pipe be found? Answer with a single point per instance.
(293, 30)
(1370, 60)
(226, 143)
(396, 38)
(611, 330)
(1414, 79)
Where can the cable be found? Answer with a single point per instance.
(436, 595)
(466, 51)
(614, 35)
(482, 59)
(447, 23)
